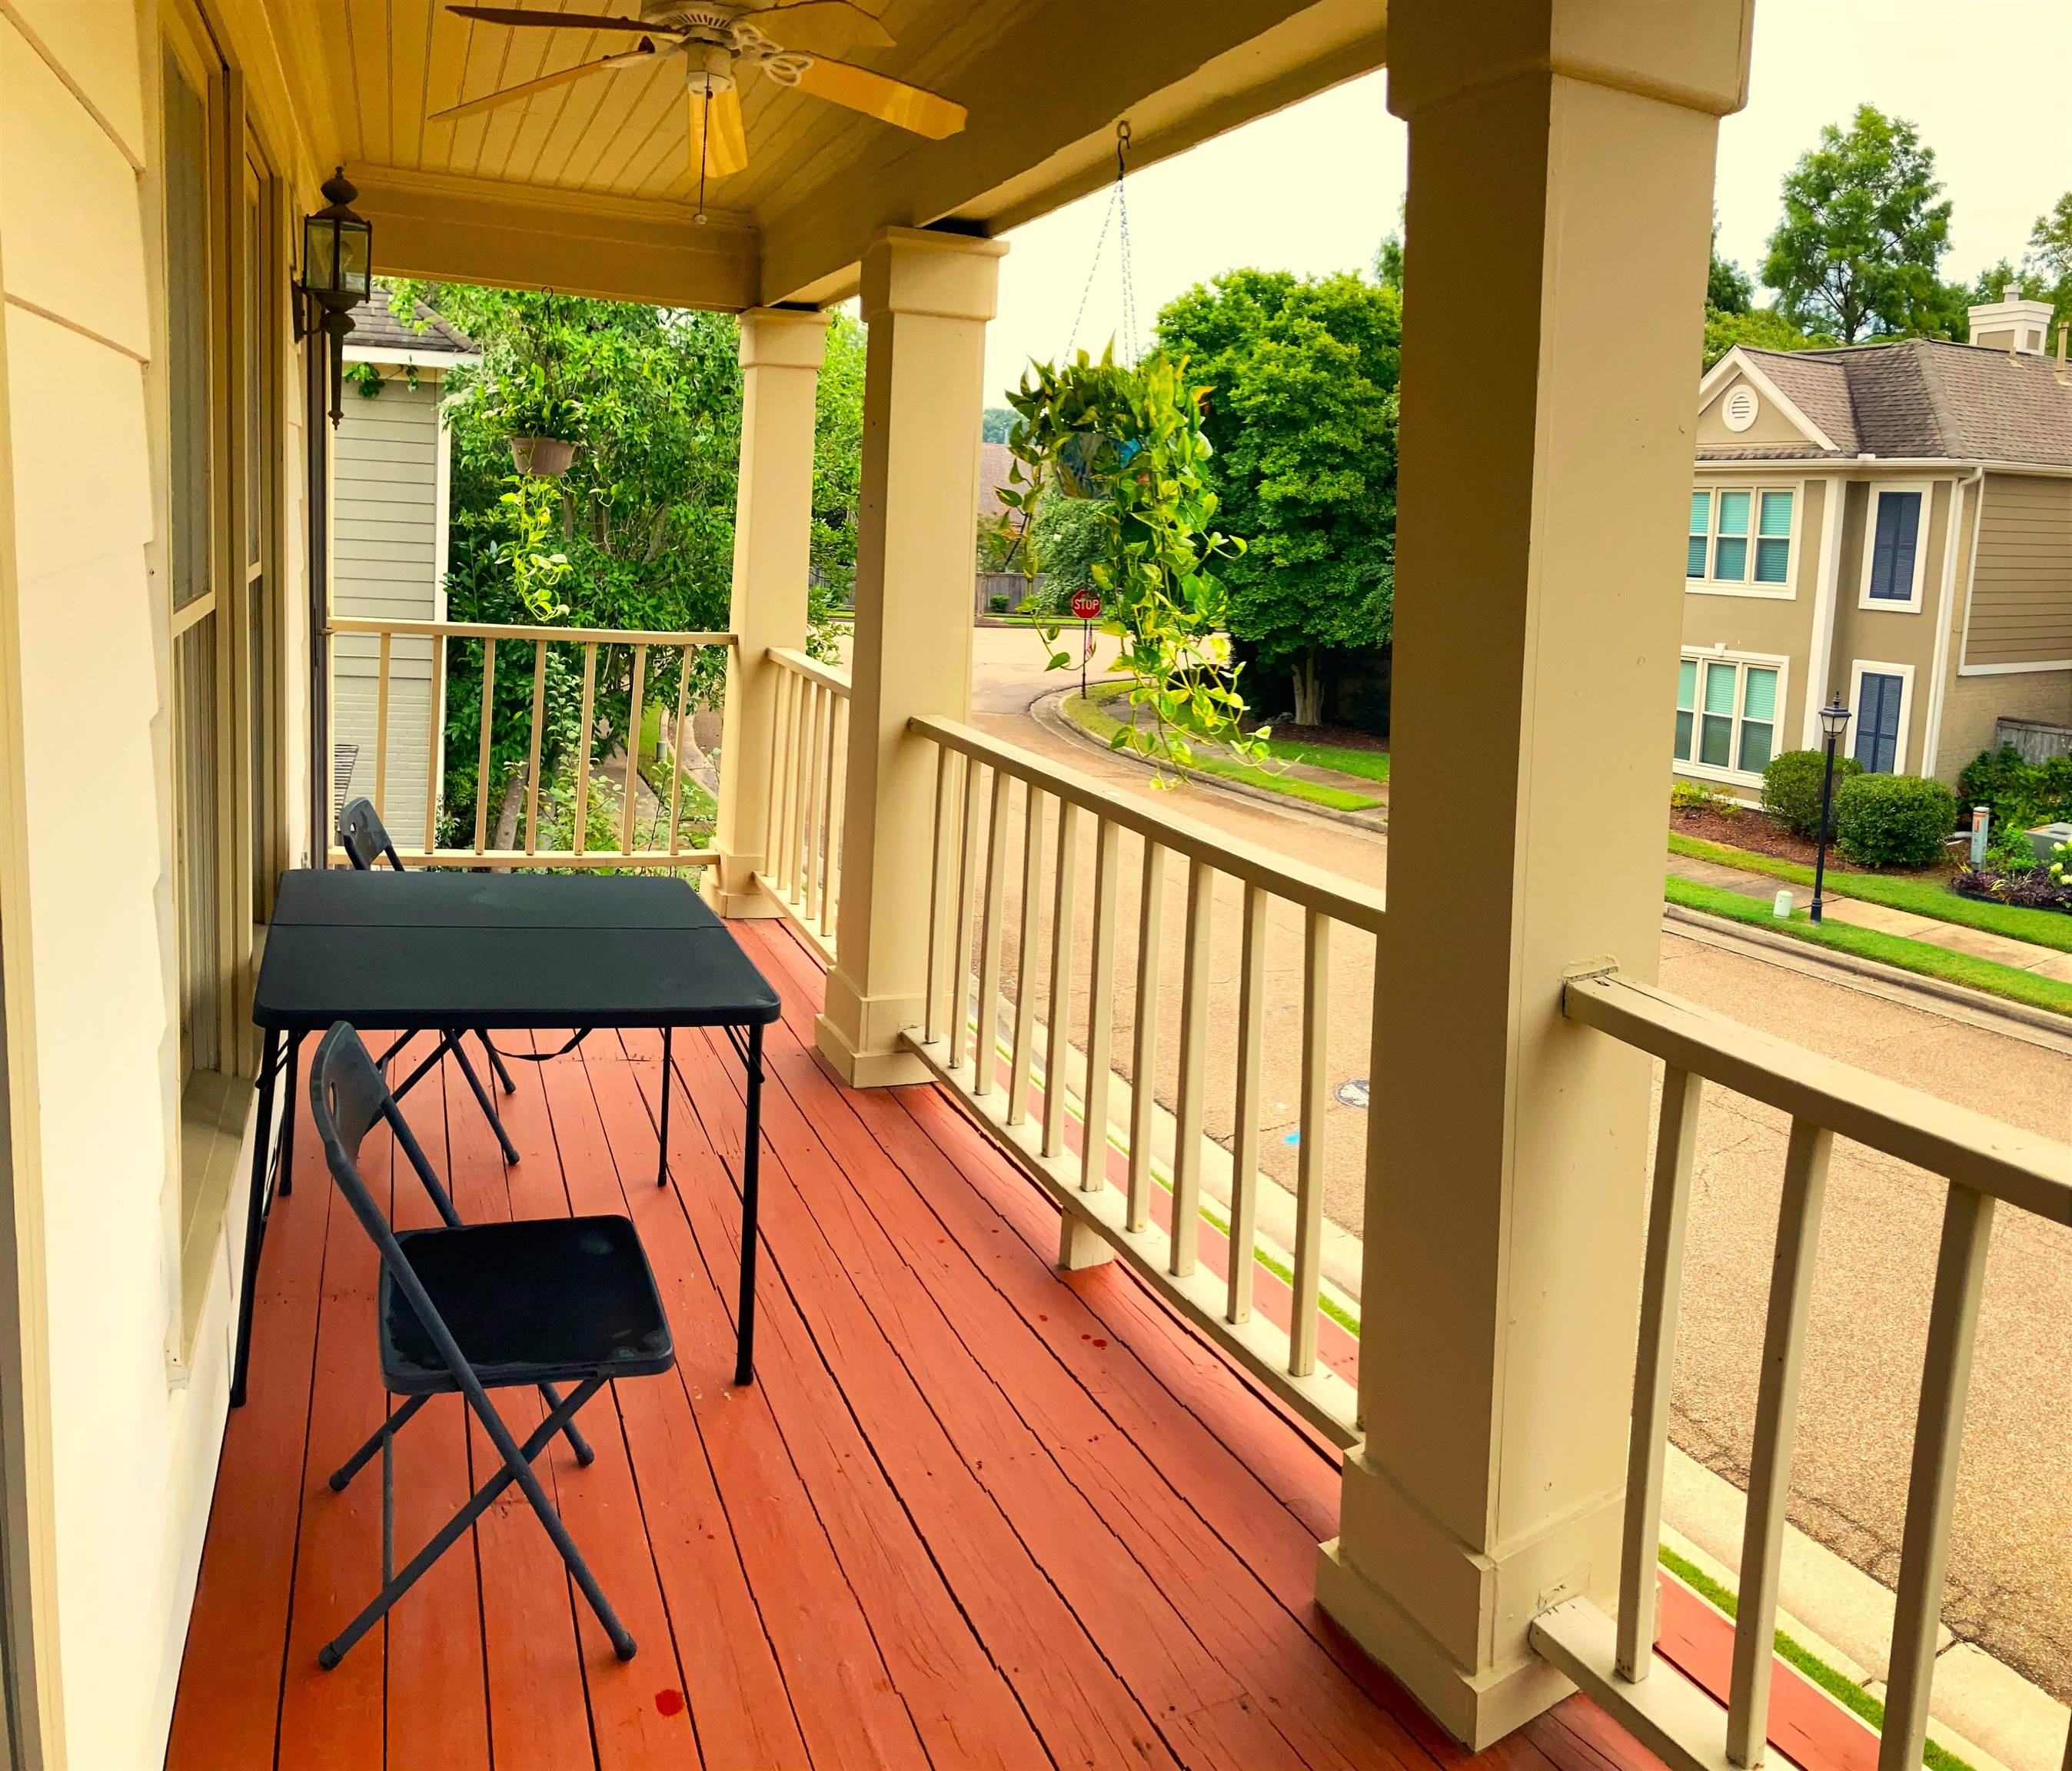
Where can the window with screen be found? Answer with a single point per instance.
(1740, 537)
(1727, 711)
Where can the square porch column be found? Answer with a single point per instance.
(1561, 156)
(781, 352)
(926, 297)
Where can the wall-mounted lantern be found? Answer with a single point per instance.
(337, 272)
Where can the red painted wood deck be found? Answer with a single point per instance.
(973, 1513)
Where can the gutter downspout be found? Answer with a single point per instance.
(1931, 732)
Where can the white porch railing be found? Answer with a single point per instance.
(427, 642)
(1987, 1164)
(959, 1041)
(808, 764)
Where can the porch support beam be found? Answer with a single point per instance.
(926, 297)
(1561, 151)
(781, 352)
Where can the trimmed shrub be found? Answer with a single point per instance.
(1791, 790)
(1893, 820)
(2022, 794)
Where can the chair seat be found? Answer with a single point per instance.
(541, 1300)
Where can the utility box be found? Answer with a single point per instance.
(2045, 838)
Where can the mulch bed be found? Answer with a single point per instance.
(1343, 737)
(1763, 834)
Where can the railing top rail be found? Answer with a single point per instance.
(1344, 900)
(827, 675)
(477, 630)
(2024, 1169)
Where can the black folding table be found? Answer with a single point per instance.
(445, 951)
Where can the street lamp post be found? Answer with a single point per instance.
(1834, 721)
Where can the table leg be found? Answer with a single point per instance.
(662, 1167)
(744, 1363)
(286, 1184)
(255, 1212)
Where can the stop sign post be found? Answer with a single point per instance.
(1087, 607)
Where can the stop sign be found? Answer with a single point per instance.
(1086, 606)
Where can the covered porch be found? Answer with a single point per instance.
(975, 1512)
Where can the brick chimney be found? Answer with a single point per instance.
(2014, 325)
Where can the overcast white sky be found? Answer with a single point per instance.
(1986, 81)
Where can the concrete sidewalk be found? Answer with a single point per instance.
(1978, 943)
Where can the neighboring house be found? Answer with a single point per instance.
(389, 474)
(996, 461)
(1892, 522)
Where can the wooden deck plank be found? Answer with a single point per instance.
(437, 1710)
(1083, 1713)
(842, 1692)
(241, 1598)
(539, 1707)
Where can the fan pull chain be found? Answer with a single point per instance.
(705, 153)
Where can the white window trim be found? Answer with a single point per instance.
(1887, 605)
(1705, 771)
(1710, 587)
(1874, 666)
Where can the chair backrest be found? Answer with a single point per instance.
(364, 838)
(347, 1098)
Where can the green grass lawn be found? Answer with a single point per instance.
(1088, 713)
(2008, 981)
(1923, 896)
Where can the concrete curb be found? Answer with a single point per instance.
(1048, 711)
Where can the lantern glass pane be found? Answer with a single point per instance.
(319, 254)
(355, 258)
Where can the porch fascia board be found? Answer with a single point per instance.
(1035, 142)
(451, 229)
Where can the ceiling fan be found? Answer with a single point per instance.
(717, 40)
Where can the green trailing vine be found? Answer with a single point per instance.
(538, 570)
(1130, 439)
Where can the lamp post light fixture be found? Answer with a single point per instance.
(337, 272)
(1834, 721)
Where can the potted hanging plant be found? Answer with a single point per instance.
(1131, 439)
(543, 426)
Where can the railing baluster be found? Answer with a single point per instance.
(482, 760)
(795, 786)
(1064, 908)
(1931, 1490)
(1245, 1142)
(381, 727)
(823, 724)
(823, 884)
(676, 747)
(1143, 1098)
(635, 714)
(985, 1036)
(1188, 1141)
(837, 806)
(1776, 1427)
(434, 742)
(1101, 1008)
(1025, 957)
(960, 912)
(940, 868)
(1661, 1296)
(533, 753)
(773, 822)
(1309, 1158)
(582, 746)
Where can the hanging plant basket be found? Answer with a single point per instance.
(546, 457)
(1085, 461)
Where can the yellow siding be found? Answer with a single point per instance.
(2021, 597)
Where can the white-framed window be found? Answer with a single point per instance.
(1881, 703)
(1895, 547)
(1728, 709)
(1742, 540)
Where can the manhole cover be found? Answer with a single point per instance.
(1352, 1092)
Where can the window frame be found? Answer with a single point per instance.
(1912, 604)
(1710, 587)
(1861, 667)
(1742, 661)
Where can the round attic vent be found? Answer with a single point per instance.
(1739, 407)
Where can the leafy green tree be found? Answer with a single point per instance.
(1763, 328)
(1065, 540)
(837, 473)
(2046, 271)
(1727, 290)
(1302, 415)
(995, 424)
(1865, 225)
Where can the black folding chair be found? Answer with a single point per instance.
(524, 1305)
(366, 841)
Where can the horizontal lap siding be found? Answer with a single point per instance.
(2021, 596)
(385, 530)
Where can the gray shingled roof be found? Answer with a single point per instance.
(375, 326)
(1923, 398)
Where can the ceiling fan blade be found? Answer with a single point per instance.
(876, 95)
(811, 26)
(719, 145)
(626, 58)
(554, 20)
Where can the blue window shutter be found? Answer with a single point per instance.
(1877, 747)
(1898, 535)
